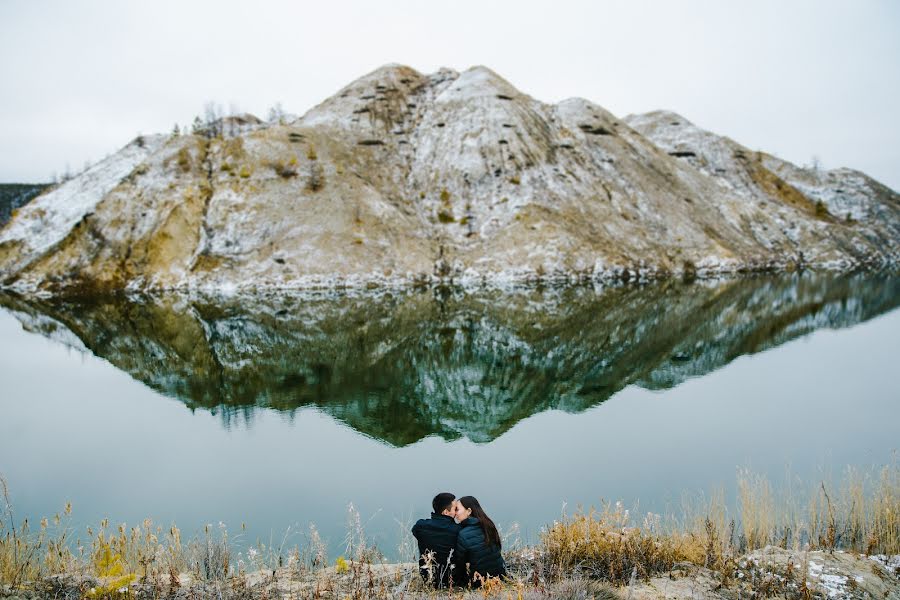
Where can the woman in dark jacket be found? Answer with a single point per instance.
(477, 546)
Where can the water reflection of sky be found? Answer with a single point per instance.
(73, 427)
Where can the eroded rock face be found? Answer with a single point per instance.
(404, 177)
(406, 365)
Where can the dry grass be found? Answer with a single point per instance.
(861, 512)
(184, 159)
(602, 544)
(284, 169)
(757, 508)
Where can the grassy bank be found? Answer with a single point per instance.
(605, 552)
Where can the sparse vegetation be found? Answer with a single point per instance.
(778, 188)
(286, 169)
(184, 159)
(315, 177)
(233, 148)
(586, 553)
(445, 211)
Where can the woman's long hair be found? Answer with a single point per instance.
(491, 535)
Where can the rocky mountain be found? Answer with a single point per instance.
(402, 177)
(403, 365)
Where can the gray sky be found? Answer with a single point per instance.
(799, 79)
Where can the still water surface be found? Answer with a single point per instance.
(279, 411)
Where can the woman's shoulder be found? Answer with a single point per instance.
(469, 532)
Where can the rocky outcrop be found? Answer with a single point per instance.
(402, 177)
(415, 363)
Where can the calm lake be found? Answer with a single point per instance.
(279, 411)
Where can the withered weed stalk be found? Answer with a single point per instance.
(407, 547)
(27, 555)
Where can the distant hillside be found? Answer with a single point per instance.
(403, 178)
(14, 195)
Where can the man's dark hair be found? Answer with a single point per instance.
(442, 502)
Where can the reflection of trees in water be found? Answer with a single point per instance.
(402, 366)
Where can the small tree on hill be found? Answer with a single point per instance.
(212, 119)
(197, 127)
(276, 114)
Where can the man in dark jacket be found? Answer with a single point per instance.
(437, 540)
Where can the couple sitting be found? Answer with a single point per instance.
(459, 545)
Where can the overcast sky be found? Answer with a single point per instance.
(798, 79)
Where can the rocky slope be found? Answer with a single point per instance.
(405, 177)
(400, 367)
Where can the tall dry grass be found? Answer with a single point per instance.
(605, 545)
(27, 554)
(858, 512)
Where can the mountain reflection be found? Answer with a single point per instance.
(401, 366)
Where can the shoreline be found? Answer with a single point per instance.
(766, 572)
(364, 285)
